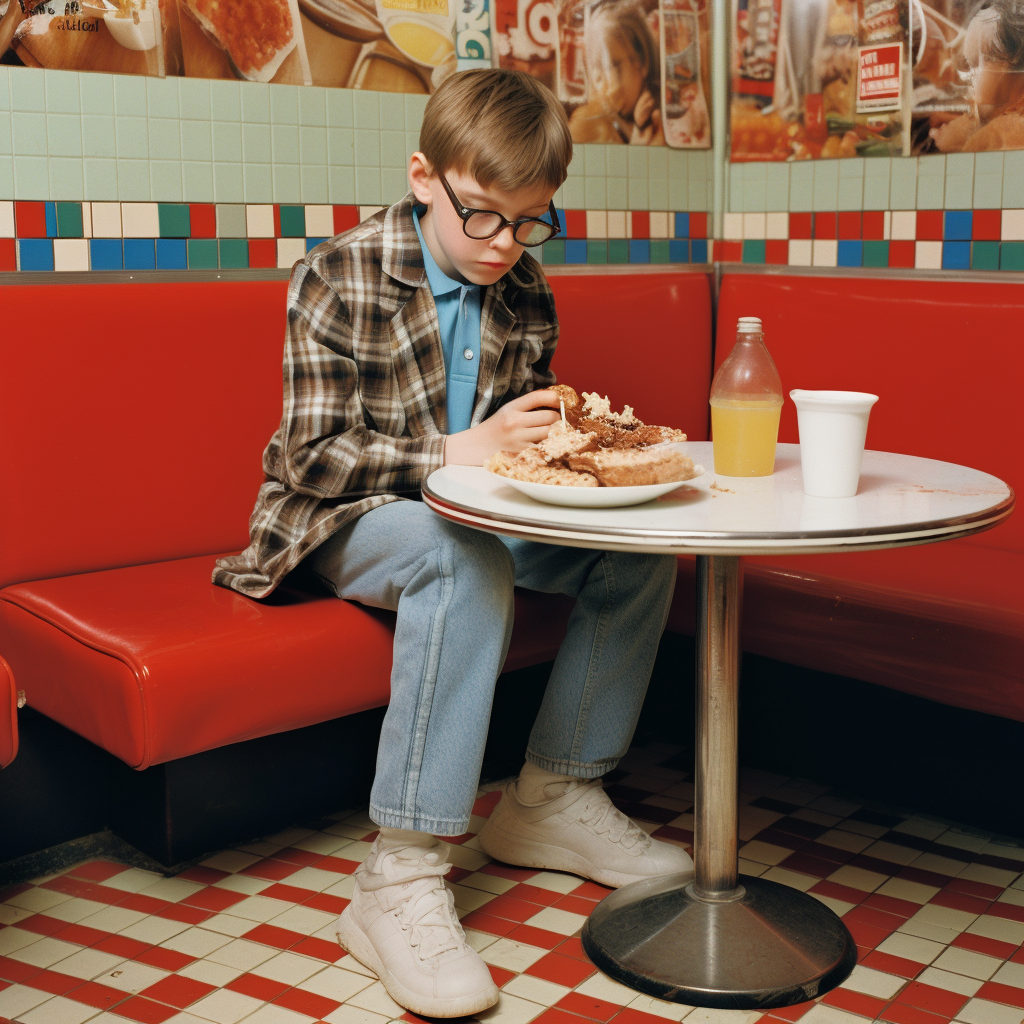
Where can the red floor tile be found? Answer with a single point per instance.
(872, 916)
(890, 964)
(304, 858)
(562, 970)
(81, 935)
(203, 875)
(15, 970)
(982, 944)
(144, 1010)
(511, 908)
(178, 991)
(84, 890)
(912, 874)
(121, 945)
(54, 982)
(328, 904)
(839, 892)
(993, 990)
(1010, 911)
(927, 997)
(900, 1013)
(588, 1006)
(533, 894)
(891, 905)
(485, 923)
(290, 893)
(807, 865)
(971, 888)
(825, 852)
(41, 924)
(275, 870)
(339, 864)
(321, 949)
(143, 904)
(867, 935)
(487, 803)
(792, 1012)
(509, 872)
(213, 898)
(271, 935)
(309, 1003)
(591, 891)
(960, 901)
(576, 905)
(186, 914)
(538, 937)
(630, 1016)
(680, 835)
(553, 1016)
(573, 947)
(855, 1002)
(257, 987)
(165, 959)
(101, 996)
(14, 890)
(97, 870)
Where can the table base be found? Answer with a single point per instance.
(761, 946)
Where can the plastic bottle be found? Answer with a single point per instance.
(746, 400)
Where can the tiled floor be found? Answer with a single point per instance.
(937, 912)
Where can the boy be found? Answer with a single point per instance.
(420, 338)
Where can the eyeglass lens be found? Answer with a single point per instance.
(485, 224)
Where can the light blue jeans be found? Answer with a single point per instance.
(452, 589)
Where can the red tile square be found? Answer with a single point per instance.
(509, 872)
(53, 982)
(855, 1002)
(824, 225)
(776, 251)
(929, 225)
(274, 870)
(983, 944)
(588, 1006)
(539, 937)
(576, 905)
(971, 888)
(81, 934)
(339, 864)
(101, 996)
(1009, 911)
(8, 255)
(873, 225)
(641, 224)
(900, 1013)
(987, 225)
(182, 912)
(144, 1010)
(838, 892)
(891, 905)
(97, 870)
(901, 253)
(204, 875)
(807, 865)
(85, 890)
(309, 1003)
(345, 217)
(257, 987)
(867, 935)
(327, 903)
(165, 959)
(41, 924)
(14, 890)
(574, 948)
(456, 875)
(321, 949)
(485, 923)
(511, 908)
(849, 224)
(889, 964)
(277, 220)
(304, 858)
(800, 225)
(794, 1012)
(30, 220)
(262, 252)
(995, 991)
(270, 935)
(682, 835)
(936, 1000)
(500, 975)
(960, 901)
(485, 804)
(178, 991)
(214, 898)
(533, 894)
(575, 223)
(288, 893)
(591, 891)
(15, 970)
(725, 252)
(553, 1016)
(562, 970)
(873, 917)
(202, 220)
(121, 945)
(143, 904)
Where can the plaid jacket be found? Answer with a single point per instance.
(364, 417)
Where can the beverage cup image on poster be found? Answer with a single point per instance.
(818, 79)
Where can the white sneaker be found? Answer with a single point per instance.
(581, 832)
(408, 934)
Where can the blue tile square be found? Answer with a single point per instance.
(956, 255)
(850, 252)
(679, 249)
(36, 253)
(561, 223)
(105, 254)
(171, 254)
(312, 243)
(682, 225)
(51, 220)
(639, 250)
(139, 254)
(575, 250)
(699, 250)
(958, 224)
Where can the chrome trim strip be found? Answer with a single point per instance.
(885, 273)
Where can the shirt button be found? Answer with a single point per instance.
(467, 354)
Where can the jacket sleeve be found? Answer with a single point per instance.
(326, 448)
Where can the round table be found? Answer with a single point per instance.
(719, 938)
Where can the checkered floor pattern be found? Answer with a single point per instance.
(937, 912)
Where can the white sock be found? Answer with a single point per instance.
(401, 855)
(536, 786)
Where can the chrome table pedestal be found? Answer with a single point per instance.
(719, 938)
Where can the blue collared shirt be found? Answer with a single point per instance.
(458, 317)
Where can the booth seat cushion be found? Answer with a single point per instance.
(8, 715)
(165, 664)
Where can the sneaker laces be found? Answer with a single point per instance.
(601, 816)
(425, 908)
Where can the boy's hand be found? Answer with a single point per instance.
(514, 426)
(646, 119)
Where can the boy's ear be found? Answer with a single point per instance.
(421, 175)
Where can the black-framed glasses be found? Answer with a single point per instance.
(480, 224)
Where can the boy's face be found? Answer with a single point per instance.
(479, 261)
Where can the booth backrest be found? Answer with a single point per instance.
(133, 416)
(945, 358)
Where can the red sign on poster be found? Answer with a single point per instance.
(880, 70)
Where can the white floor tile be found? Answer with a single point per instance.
(196, 941)
(244, 884)
(17, 999)
(468, 898)
(289, 968)
(555, 881)
(12, 915)
(911, 947)
(334, 983)
(15, 938)
(488, 883)
(376, 999)
(228, 925)
(131, 976)
(913, 892)
(113, 919)
(315, 879)
(242, 953)
(225, 1006)
(998, 928)
(270, 1014)
(508, 1010)
(857, 878)
(843, 840)
(537, 990)
(763, 853)
(708, 1015)
(154, 929)
(513, 956)
(966, 961)
(600, 986)
(874, 983)
(563, 922)
(38, 900)
(825, 1014)
(59, 1010)
(353, 1015)
(981, 1011)
(172, 889)
(660, 1007)
(210, 972)
(322, 843)
(950, 982)
(1010, 974)
(256, 908)
(89, 964)
(133, 879)
(44, 953)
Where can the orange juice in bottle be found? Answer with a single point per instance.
(746, 400)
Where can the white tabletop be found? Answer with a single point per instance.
(901, 500)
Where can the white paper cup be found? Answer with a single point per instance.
(833, 426)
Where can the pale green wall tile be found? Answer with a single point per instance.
(259, 183)
(133, 181)
(31, 177)
(678, 195)
(573, 194)
(225, 101)
(657, 194)
(657, 162)
(931, 192)
(5, 89)
(595, 194)
(64, 136)
(678, 163)
(988, 163)
(697, 165)
(697, 195)
(287, 183)
(162, 97)
(256, 144)
(392, 150)
(754, 196)
(341, 146)
(100, 179)
(341, 184)
(558, 200)
(284, 104)
(313, 182)
(97, 93)
(412, 145)
(227, 142)
(776, 188)
(616, 161)
(1013, 180)
(132, 138)
(853, 167)
(826, 184)
(638, 195)
(255, 97)
(196, 140)
(339, 108)
(285, 139)
(903, 185)
(368, 190)
(130, 96)
(313, 146)
(394, 184)
(735, 189)
(959, 191)
(414, 108)
(617, 190)
(6, 176)
(367, 150)
(164, 139)
(594, 163)
(228, 184)
(6, 147)
(851, 193)
(313, 107)
(28, 92)
(637, 160)
(366, 111)
(801, 185)
(28, 134)
(165, 180)
(960, 164)
(66, 179)
(197, 181)
(392, 110)
(988, 191)
(62, 93)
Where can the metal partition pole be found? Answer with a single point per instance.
(719, 593)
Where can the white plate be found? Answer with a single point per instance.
(595, 497)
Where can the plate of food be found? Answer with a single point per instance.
(596, 458)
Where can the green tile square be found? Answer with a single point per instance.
(202, 254)
(554, 252)
(875, 253)
(234, 253)
(753, 250)
(985, 256)
(1012, 256)
(660, 251)
(69, 220)
(174, 220)
(618, 250)
(597, 250)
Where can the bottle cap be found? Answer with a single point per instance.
(749, 325)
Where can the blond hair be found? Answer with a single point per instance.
(501, 127)
(625, 21)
